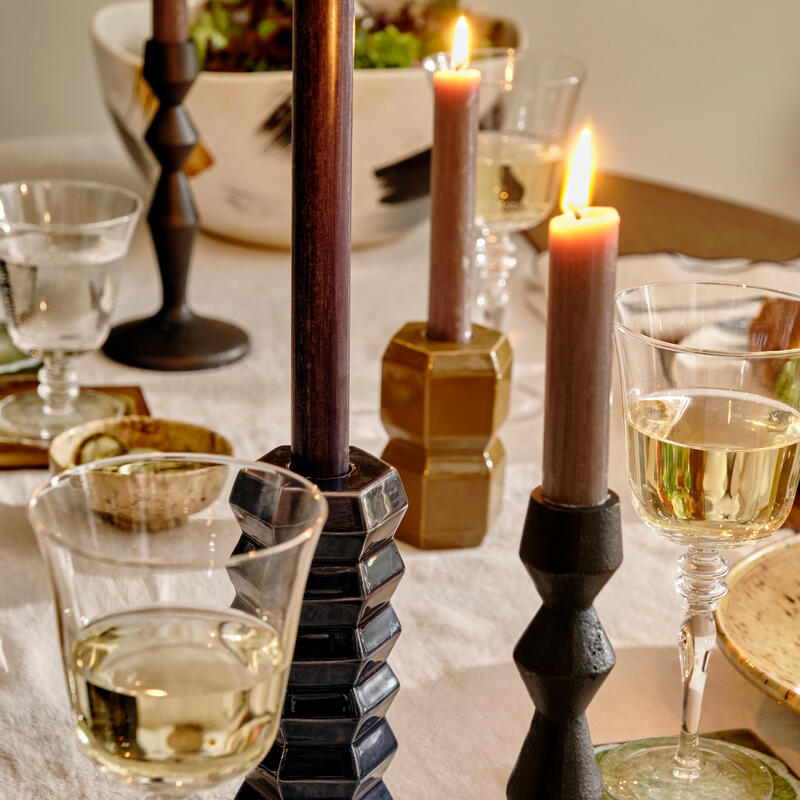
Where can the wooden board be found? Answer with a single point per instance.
(662, 219)
(18, 455)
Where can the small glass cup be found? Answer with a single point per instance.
(61, 244)
(526, 101)
(178, 583)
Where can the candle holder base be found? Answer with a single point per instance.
(334, 742)
(564, 655)
(189, 342)
(442, 403)
(453, 498)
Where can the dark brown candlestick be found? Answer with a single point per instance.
(169, 20)
(321, 147)
(455, 135)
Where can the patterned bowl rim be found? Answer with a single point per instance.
(779, 688)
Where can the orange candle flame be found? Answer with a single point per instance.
(460, 58)
(580, 173)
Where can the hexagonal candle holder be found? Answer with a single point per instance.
(334, 742)
(442, 404)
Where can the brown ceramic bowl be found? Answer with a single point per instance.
(180, 493)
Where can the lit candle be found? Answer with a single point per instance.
(169, 21)
(455, 135)
(580, 313)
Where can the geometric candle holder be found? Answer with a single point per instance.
(442, 404)
(564, 655)
(334, 742)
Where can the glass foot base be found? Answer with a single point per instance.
(24, 413)
(642, 770)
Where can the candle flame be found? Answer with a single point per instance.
(578, 183)
(461, 45)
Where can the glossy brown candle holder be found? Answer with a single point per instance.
(564, 656)
(442, 404)
(334, 742)
(175, 338)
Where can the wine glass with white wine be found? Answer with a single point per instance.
(178, 583)
(527, 99)
(710, 395)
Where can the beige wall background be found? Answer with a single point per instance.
(698, 93)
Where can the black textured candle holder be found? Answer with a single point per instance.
(174, 338)
(564, 655)
(334, 743)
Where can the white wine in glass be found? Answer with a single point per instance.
(712, 464)
(174, 694)
(518, 175)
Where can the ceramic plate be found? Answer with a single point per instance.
(11, 359)
(758, 621)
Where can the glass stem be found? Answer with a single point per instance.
(58, 385)
(495, 257)
(701, 584)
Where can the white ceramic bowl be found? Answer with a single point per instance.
(241, 171)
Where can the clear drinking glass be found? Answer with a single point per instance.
(178, 583)
(710, 393)
(61, 244)
(526, 100)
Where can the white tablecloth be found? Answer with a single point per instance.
(462, 711)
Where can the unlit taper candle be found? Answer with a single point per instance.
(453, 160)
(580, 316)
(169, 21)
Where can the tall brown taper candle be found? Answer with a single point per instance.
(321, 179)
(169, 21)
(580, 316)
(455, 136)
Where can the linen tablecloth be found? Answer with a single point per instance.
(462, 710)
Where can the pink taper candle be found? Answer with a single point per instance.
(169, 21)
(455, 136)
(580, 316)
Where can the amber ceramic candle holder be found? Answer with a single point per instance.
(175, 338)
(564, 655)
(442, 404)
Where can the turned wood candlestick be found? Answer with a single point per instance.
(175, 338)
(564, 655)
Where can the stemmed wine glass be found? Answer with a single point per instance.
(178, 582)
(710, 393)
(526, 100)
(61, 244)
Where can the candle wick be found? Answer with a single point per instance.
(577, 213)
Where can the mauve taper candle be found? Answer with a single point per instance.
(169, 21)
(580, 317)
(455, 137)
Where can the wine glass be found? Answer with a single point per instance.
(526, 102)
(61, 244)
(178, 582)
(710, 393)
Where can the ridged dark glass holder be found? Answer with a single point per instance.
(564, 655)
(175, 338)
(334, 742)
